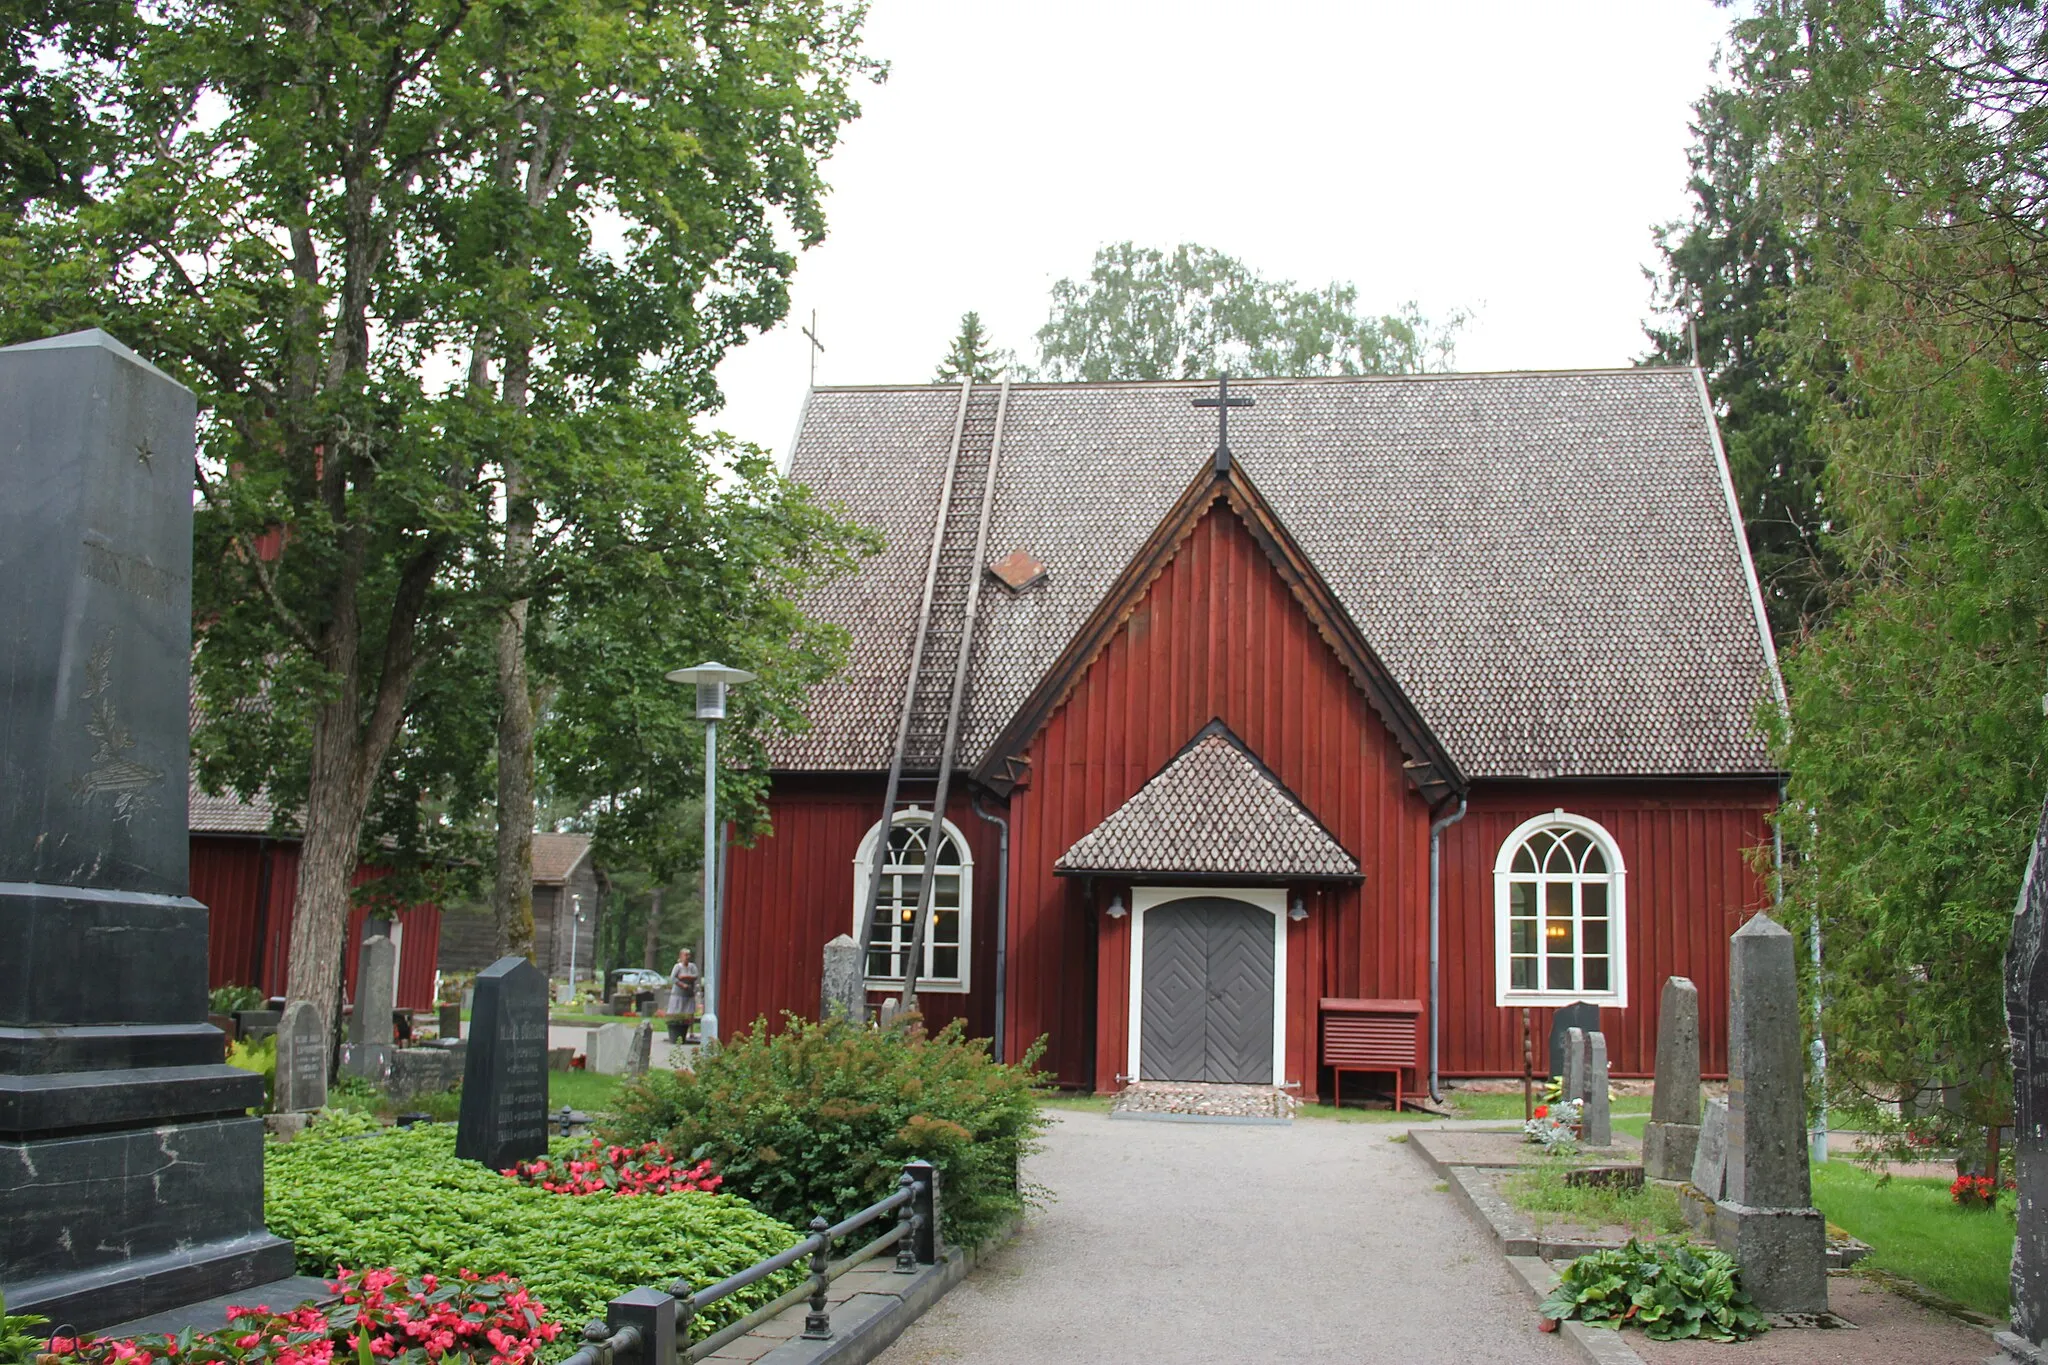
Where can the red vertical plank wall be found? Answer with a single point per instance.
(1217, 635)
(1690, 884)
(792, 892)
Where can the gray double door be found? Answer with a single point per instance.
(1207, 992)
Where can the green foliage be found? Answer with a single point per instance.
(1143, 313)
(1914, 1229)
(20, 1340)
(259, 1056)
(401, 1198)
(1646, 1210)
(972, 355)
(228, 999)
(819, 1119)
(1673, 1292)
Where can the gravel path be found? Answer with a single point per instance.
(1200, 1242)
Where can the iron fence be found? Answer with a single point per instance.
(652, 1326)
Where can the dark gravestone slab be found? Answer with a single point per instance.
(301, 1060)
(2026, 1016)
(1583, 1017)
(122, 1190)
(504, 1116)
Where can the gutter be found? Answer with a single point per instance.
(1002, 919)
(1436, 829)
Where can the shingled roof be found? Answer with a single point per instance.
(1549, 564)
(1214, 811)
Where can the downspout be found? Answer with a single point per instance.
(1436, 830)
(1002, 918)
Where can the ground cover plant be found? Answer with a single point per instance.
(606, 1168)
(1541, 1191)
(819, 1119)
(1672, 1291)
(1916, 1230)
(400, 1198)
(382, 1316)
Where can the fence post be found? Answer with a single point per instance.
(927, 1237)
(686, 1309)
(654, 1314)
(906, 1227)
(818, 1322)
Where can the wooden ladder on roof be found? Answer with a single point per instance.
(935, 688)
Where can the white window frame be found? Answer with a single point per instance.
(1617, 914)
(863, 872)
(1145, 899)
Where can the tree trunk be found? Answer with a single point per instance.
(327, 863)
(512, 890)
(651, 948)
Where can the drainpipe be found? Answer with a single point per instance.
(1002, 918)
(1436, 830)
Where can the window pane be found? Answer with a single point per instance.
(1522, 936)
(1557, 927)
(945, 927)
(1594, 933)
(1525, 861)
(1522, 899)
(945, 964)
(1522, 975)
(1560, 859)
(1578, 844)
(949, 852)
(1596, 973)
(1593, 897)
(1560, 973)
(1596, 861)
(946, 890)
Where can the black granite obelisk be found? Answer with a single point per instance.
(131, 1178)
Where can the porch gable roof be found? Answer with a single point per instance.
(1213, 811)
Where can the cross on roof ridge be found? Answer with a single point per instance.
(1223, 403)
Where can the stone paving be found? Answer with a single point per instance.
(1194, 1099)
(1171, 1242)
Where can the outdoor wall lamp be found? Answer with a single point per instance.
(1116, 907)
(1297, 911)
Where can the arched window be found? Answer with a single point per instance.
(1560, 915)
(949, 934)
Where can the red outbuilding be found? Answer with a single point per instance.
(1421, 700)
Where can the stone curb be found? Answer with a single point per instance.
(1595, 1345)
(868, 1324)
(1513, 1234)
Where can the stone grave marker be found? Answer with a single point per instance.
(1596, 1124)
(640, 1052)
(844, 994)
(369, 1027)
(301, 1060)
(1582, 1017)
(131, 1181)
(1574, 1072)
(1766, 1218)
(1673, 1133)
(605, 1049)
(504, 1115)
(1710, 1155)
(2026, 1017)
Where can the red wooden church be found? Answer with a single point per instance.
(1436, 689)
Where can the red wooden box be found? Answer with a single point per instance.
(1371, 1036)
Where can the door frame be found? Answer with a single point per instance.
(1146, 898)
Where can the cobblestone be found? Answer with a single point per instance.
(1204, 1101)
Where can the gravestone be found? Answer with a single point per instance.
(369, 1026)
(1673, 1133)
(504, 1115)
(2026, 1016)
(605, 1049)
(301, 1060)
(1574, 1072)
(640, 1053)
(1583, 1017)
(1596, 1125)
(130, 1180)
(844, 994)
(1766, 1219)
(1710, 1156)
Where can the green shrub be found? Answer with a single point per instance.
(20, 1337)
(260, 1057)
(228, 999)
(401, 1198)
(819, 1119)
(1672, 1291)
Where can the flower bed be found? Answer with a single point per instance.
(650, 1168)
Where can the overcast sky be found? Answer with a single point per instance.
(1509, 159)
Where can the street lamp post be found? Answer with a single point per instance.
(711, 680)
(575, 932)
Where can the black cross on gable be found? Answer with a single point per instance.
(1223, 403)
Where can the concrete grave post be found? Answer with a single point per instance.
(130, 1179)
(844, 994)
(2026, 1016)
(640, 1051)
(1766, 1219)
(504, 1115)
(301, 1060)
(1710, 1156)
(1596, 1127)
(369, 1027)
(1574, 1072)
(606, 1047)
(1673, 1133)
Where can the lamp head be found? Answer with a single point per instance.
(711, 680)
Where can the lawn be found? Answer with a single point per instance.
(1509, 1106)
(585, 1090)
(1541, 1192)
(1915, 1230)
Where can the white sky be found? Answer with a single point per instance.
(1506, 158)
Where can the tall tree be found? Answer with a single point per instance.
(972, 355)
(1191, 313)
(304, 212)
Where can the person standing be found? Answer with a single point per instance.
(682, 990)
